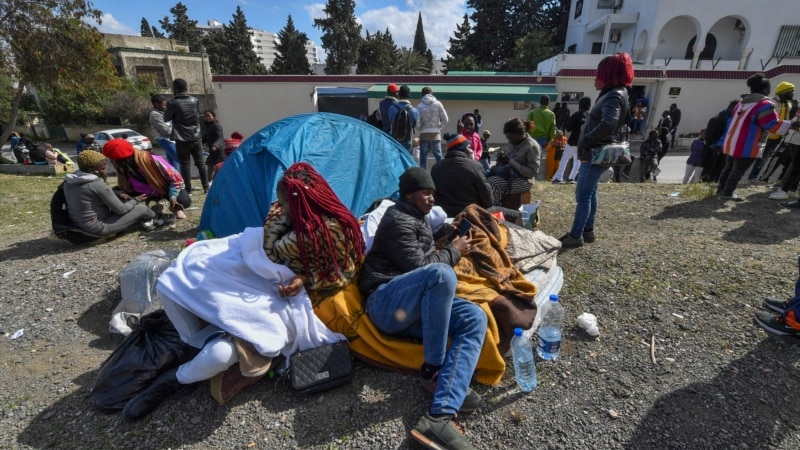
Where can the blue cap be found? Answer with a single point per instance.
(553, 297)
(517, 331)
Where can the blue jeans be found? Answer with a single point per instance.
(421, 304)
(170, 151)
(586, 198)
(425, 147)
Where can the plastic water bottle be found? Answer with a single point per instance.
(524, 365)
(550, 329)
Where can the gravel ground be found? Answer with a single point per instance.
(684, 272)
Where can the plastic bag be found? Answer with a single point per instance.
(152, 347)
(530, 214)
(137, 283)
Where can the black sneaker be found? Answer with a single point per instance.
(794, 205)
(732, 197)
(588, 236)
(471, 401)
(776, 304)
(569, 241)
(558, 182)
(775, 324)
(440, 433)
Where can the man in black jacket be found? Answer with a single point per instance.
(184, 112)
(675, 117)
(409, 290)
(459, 179)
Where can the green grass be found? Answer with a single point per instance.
(698, 191)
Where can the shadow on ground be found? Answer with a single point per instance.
(751, 399)
(763, 220)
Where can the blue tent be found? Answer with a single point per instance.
(361, 163)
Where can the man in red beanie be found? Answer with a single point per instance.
(386, 103)
(184, 112)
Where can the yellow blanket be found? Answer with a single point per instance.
(487, 277)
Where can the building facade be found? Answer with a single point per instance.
(265, 44)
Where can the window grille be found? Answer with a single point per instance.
(788, 43)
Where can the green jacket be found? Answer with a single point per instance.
(544, 121)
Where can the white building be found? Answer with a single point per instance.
(739, 38)
(265, 44)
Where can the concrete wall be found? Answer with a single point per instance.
(248, 107)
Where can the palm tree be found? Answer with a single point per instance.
(410, 62)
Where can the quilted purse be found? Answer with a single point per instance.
(321, 368)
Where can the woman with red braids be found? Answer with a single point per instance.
(603, 126)
(247, 298)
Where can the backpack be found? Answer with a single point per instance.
(62, 224)
(401, 125)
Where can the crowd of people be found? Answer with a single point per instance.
(310, 246)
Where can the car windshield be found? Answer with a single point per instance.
(130, 134)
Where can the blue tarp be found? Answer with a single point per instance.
(361, 163)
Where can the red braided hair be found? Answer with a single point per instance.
(311, 200)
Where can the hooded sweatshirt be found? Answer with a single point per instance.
(751, 117)
(432, 118)
(91, 201)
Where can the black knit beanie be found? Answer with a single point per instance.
(415, 179)
(758, 82)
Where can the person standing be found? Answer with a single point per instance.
(184, 112)
(695, 161)
(402, 106)
(675, 118)
(614, 77)
(639, 115)
(714, 159)
(544, 122)
(562, 117)
(664, 126)
(784, 96)
(754, 115)
(163, 129)
(573, 127)
(214, 139)
(385, 104)
(405, 273)
(792, 177)
(432, 119)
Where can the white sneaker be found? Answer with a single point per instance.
(780, 194)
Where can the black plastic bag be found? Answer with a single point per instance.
(152, 347)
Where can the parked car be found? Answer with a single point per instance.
(139, 141)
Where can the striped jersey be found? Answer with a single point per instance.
(753, 116)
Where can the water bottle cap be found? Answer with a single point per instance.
(517, 331)
(553, 297)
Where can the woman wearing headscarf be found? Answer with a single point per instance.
(143, 173)
(255, 301)
(92, 204)
(614, 76)
(214, 139)
(754, 115)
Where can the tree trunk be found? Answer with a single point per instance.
(12, 120)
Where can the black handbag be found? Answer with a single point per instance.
(321, 368)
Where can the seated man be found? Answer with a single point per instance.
(409, 291)
(460, 181)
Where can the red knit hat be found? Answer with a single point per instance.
(392, 88)
(118, 149)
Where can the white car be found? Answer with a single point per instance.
(139, 141)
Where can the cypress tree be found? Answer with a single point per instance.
(341, 36)
(291, 59)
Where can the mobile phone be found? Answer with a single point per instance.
(463, 227)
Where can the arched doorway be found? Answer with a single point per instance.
(708, 51)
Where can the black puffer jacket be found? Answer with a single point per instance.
(184, 112)
(403, 242)
(460, 182)
(605, 120)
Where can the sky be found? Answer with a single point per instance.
(439, 17)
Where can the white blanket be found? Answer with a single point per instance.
(230, 282)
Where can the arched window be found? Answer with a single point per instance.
(708, 51)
